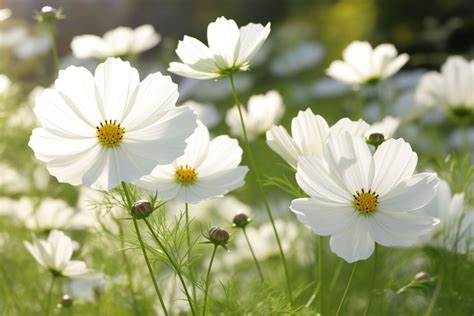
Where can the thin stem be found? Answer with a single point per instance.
(50, 295)
(320, 274)
(52, 33)
(208, 276)
(253, 254)
(254, 169)
(435, 296)
(150, 270)
(9, 285)
(128, 270)
(188, 239)
(381, 100)
(173, 263)
(372, 287)
(346, 291)
(142, 246)
(360, 97)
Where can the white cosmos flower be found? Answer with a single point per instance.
(230, 49)
(264, 111)
(5, 84)
(452, 89)
(102, 129)
(208, 168)
(55, 255)
(359, 198)
(363, 64)
(206, 112)
(388, 126)
(120, 41)
(5, 14)
(309, 135)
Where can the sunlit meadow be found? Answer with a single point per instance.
(227, 158)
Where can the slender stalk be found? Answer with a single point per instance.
(9, 286)
(173, 263)
(381, 100)
(52, 33)
(360, 97)
(50, 295)
(372, 287)
(208, 276)
(253, 254)
(128, 269)
(346, 291)
(320, 275)
(142, 246)
(188, 239)
(435, 296)
(150, 270)
(254, 169)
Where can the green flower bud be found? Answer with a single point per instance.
(49, 14)
(241, 220)
(66, 301)
(376, 139)
(218, 236)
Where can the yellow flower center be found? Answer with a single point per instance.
(365, 202)
(186, 174)
(110, 133)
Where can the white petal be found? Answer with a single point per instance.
(355, 243)
(410, 194)
(343, 72)
(200, 70)
(116, 81)
(62, 248)
(224, 153)
(323, 218)
(78, 270)
(358, 56)
(104, 174)
(281, 142)
(85, 46)
(394, 66)
(252, 37)
(313, 176)
(144, 38)
(382, 55)
(394, 162)
(355, 128)
(223, 38)
(197, 147)
(192, 51)
(162, 180)
(309, 132)
(33, 250)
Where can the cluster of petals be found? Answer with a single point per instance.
(140, 124)
(363, 64)
(230, 49)
(263, 111)
(119, 42)
(360, 198)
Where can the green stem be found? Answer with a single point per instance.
(253, 255)
(52, 33)
(208, 276)
(381, 101)
(173, 263)
(346, 291)
(188, 239)
(254, 169)
(50, 295)
(359, 112)
(435, 296)
(142, 246)
(372, 287)
(320, 274)
(9, 286)
(128, 270)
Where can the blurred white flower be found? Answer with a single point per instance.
(11, 181)
(208, 168)
(449, 209)
(23, 118)
(55, 255)
(309, 135)
(452, 89)
(33, 46)
(388, 126)
(364, 65)
(264, 111)
(118, 42)
(5, 84)
(5, 14)
(303, 57)
(86, 289)
(206, 113)
(13, 36)
(359, 198)
(230, 49)
(103, 129)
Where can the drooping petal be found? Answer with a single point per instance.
(223, 38)
(355, 243)
(323, 218)
(394, 162)
(252, 37)
(281, 142)
(410, 194)
(309, 132)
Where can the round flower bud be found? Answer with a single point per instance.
(376, 139)
(141, 209)
(49, 14)
(241, 220)
(66, 301)
(218, 236)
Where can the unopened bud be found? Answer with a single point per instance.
(375, 139)
(49, 14)
(218, 236)
(141, 209)
(241, 220)
(422, 276)
(66, 301)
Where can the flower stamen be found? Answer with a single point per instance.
(186, 174)
(365, 202)
(110, 133)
